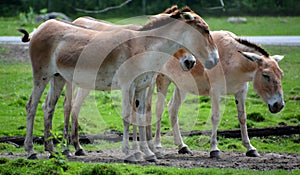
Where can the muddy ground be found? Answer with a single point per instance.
(267, 161)
(199, 159)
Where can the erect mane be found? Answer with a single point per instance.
(175, 13)
(252, 45)
(186, 9)
(171, 9)
(158, 22)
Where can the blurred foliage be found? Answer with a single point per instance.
(141, 7)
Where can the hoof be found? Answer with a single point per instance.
(252, 153)
(67, 153)
(130, 159)
(159, 155)
(185, 150)
(151, 158)
(138, 156)
(215, 154)
(32, 156)
(80, 152)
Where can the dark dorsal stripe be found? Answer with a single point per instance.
(156, 23)
(254, 46)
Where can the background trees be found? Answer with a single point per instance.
(140, 7)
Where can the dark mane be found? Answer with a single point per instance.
(186, 9)
(176, 14)
(171, 9)
(254, 46)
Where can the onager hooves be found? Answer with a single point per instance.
(185, 150)
(32, 156)
(252, 153)
(215, 154)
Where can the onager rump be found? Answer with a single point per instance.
(240, 63)
(108, 60)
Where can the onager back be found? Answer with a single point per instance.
(240, 62)
(108, 60)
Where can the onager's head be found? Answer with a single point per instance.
(203, 48)
(267, 80)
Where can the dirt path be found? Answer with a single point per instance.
(237, 160)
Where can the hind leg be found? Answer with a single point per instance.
(67, 112)
(142, 107)
(79, 99)
(38, 88)
(56, 85)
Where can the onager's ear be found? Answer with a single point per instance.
(251, 56)
(187, 16)
(277, 58)
(161, 15)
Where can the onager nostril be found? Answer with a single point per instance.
(189, 63)
(137, 103)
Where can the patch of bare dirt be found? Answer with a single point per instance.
(16, 52)
(236, 160)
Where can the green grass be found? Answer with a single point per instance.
(254, 26)
(258, 26)
(102, 110)
(60, 166)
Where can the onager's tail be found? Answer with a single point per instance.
(26, 37)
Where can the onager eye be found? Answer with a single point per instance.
(266, 77)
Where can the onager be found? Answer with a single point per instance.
(240, 63)
(109, 60)
(186, 64)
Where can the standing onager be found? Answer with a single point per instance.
(121, 59)
(230, 76)
(81, 94)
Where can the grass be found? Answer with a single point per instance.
(102, 110)
(58, 166)
(254, 26)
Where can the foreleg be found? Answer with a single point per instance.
(215, 120)
(162, 84)
(174, 105)
(240, 98)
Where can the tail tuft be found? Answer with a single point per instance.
(26, 37)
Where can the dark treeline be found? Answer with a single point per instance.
(140, 7)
